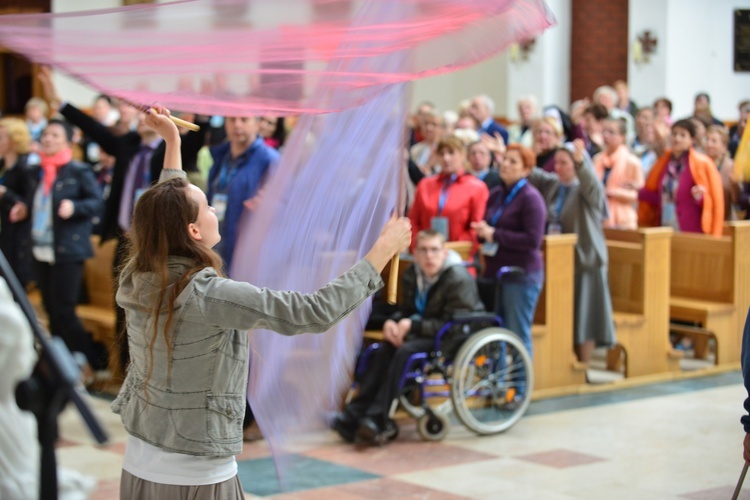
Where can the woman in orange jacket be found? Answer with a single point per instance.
(683, 189)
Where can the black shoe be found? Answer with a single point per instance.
(345, 427)
(368, 430)
(390, 430)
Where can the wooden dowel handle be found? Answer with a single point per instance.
(393, 280)
(741, 480)
(183, 123)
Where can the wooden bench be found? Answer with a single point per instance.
(98, 316)
(710, 288)
(555, 364)
(639, 285)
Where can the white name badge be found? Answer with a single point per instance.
(490, 248)
(220, 206)
(440, 224)
(554, 228)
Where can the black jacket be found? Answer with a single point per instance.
(15, 238)
(123, 148)
(72, 237)
(454, 291)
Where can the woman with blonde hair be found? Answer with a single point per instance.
(16, 193)
(548, 136)
(717, 148)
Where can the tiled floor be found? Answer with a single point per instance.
(680, 440)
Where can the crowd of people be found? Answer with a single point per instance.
(603, 163)
(607, 163)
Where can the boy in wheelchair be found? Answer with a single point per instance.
(433, 290)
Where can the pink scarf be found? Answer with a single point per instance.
(51, 164)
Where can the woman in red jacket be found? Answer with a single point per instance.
(451, 200)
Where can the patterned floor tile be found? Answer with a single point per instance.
(398, 457)
(254, 449)
(561, 459)
(258, 476)
(118, 447)
(64, 443)
(692, 453)
(375, 488)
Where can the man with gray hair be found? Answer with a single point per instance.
(482, 108)
(607, 97)
(528, 113)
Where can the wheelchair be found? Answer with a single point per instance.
(486, 377)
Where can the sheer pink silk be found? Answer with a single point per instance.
(241, 57)
(338, 180)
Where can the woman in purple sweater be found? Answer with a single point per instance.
(512, 233)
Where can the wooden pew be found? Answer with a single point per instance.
(710, 287)
(639, 285)
(556, 369)
(98, 316)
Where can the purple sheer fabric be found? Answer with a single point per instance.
(338, 180)
(242, 57)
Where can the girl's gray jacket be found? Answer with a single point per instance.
(194, 400)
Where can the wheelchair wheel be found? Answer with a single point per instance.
(411, 402)
(492, 381)
(433, 426)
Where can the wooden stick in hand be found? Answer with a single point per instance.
(182, 123)
(393, 280)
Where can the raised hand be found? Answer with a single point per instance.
(44, 76)
(157, 118)
(578, 148)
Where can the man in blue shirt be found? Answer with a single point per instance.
(482, 108)
(240, 166)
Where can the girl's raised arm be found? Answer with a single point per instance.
(157, 118)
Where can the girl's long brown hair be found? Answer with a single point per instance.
(160, 230)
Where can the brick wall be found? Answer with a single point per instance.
(599, 48)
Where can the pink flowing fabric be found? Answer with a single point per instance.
(338, 180)
(242, 57)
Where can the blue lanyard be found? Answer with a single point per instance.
(225, 176)
(447, 183)
(562, 193)
(496, 216)
(420, 300)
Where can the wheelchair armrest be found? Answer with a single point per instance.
(508, 270)
(466, 318)
(469, 317)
